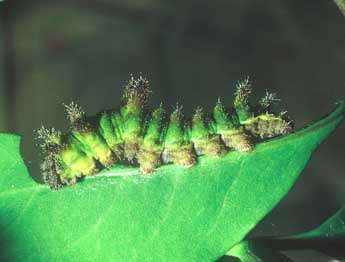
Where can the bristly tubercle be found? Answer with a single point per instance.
(138, 136)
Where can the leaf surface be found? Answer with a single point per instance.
(328, 238)
(250, 251)
(179, 214)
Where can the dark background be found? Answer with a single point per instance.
(192, 51)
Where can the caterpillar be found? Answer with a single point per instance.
(136, 135)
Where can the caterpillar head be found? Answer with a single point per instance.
(51, 144)
(51, 139)
(50, 174)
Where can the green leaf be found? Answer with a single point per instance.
(328, 238)
(179, 214)
(333, 227)
(248, 251)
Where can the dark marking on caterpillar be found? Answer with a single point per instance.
(139, 136)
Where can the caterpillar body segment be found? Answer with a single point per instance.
(241, 103)
(149, 157)
(90, 141)
(155, 131)
(238, 140)
(132, 111)
(73, 162)
(64, 158)
(95, 146)
(132, 137)
(223, 121)
(231, 131)
(110, 134)
(204, 138)
(135, 135)
(118, 125)
(150, 153)
(178, 148)
(267, 126)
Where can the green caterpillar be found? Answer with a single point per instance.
(136, 135)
